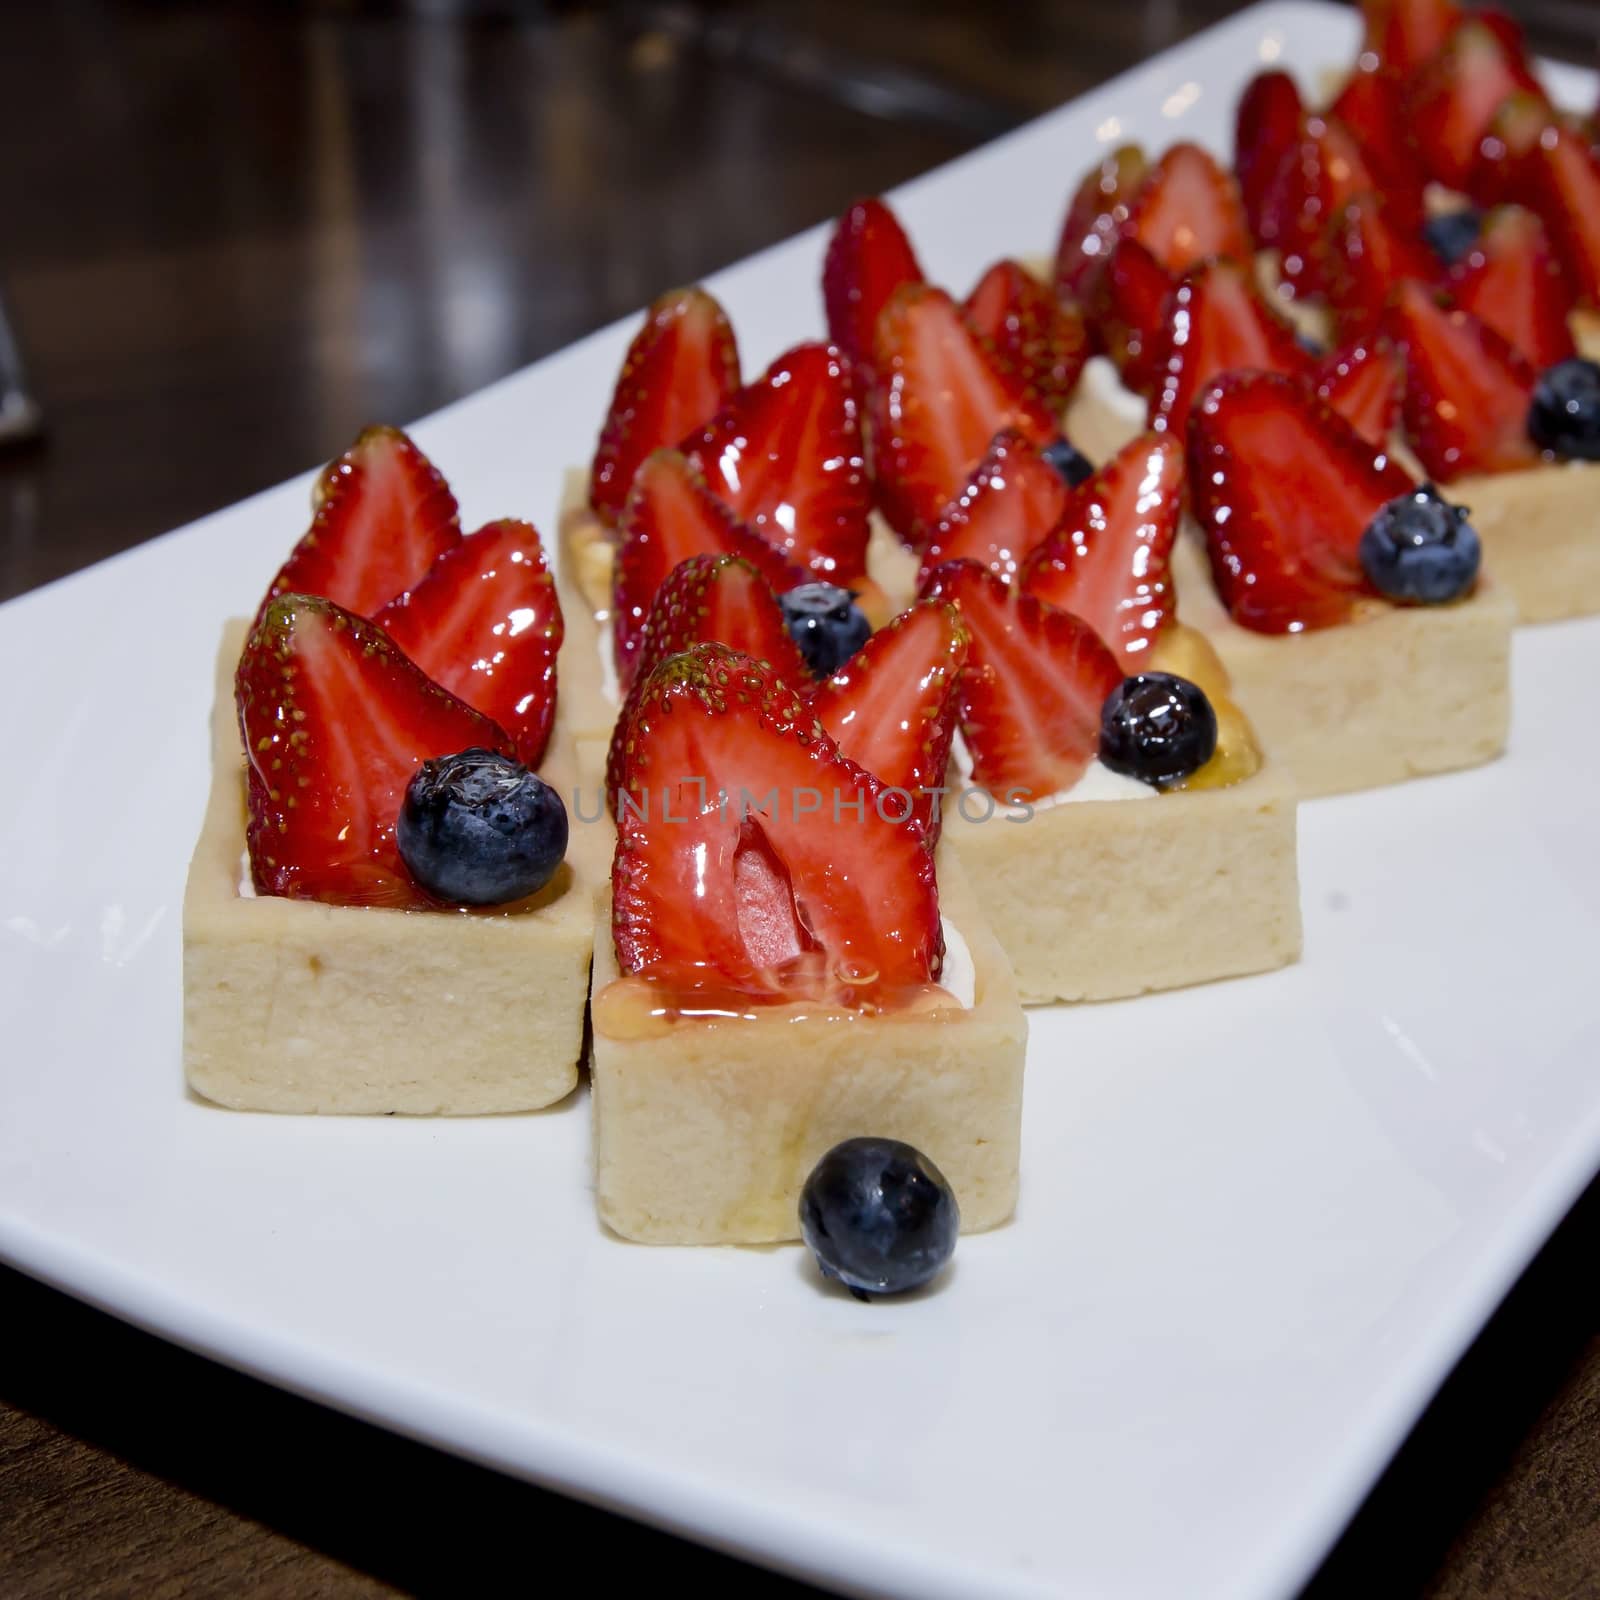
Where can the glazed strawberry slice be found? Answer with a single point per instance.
(892, 706)
(1008, 506)
(1315, 178)
(1216, 322)
(1372, 107)
(744, 865)
(1366, 255)
(869, 257)
(1107, 561)
(1266, 125)
(1467, 391)
(680, 370)
(335, 719)
(1512, 281)
(1130, 302)
(940, 399)
(485, 624)
(1036, 340)
(1362, 383)
(707, 599)
(1283, 488)
(1035, 682)
(1095, 220)
(1404, 33)
(1499, 173)
(1454, 98)
(785, 455)
(1188, 210)
(383, 513)
(670, 516)
(1562, 178)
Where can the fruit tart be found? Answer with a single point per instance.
(1344, 598)
(786, 960)
(387, 909)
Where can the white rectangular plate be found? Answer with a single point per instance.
(1259, 1220)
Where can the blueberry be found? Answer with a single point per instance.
(1069, 461)
(1419, 547)
(878, 1216)
(1565, 414)
(1158, 728)
(826, 623)
(1452, 234)
(479, 829)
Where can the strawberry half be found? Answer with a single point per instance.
(940, 399)
(1316, 176)
(1032, 692)
(1562, 175)
(1404, 33)
(335, 720)
(1284, 488)
(1365, 256)
(485, 624)
(1512, 281)
(892, 706)
(785, 455)
(707, 599)
(383, 514)
(680, 370)
(1467, 392)
(1362, 383)
(1216, 322)
(670, 516)
(743, 865)
(1107, 561)
(1095, 220)
(1037, 341)
(1266, 125)
(1372, 107)
(1129, 305)
(868, 258)
(1009, 504)
(1454, 98)
(1188, 210)
(1498, 175)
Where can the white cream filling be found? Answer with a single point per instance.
(1103, 384)
(247, 886)
(959, 977)
(1098, 782)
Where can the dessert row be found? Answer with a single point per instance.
(829, 748)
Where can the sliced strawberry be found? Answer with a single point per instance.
(1562, 177)
(892, 706)
(1095, 221)
(1129, 303)
(1366, 254)
(335, 719)
(1266, 124)
(1498, 173)
(670, 516)
(1284, 488)
(1008, 506)
(485, 623)
(786, 456)
(1216, 322)
(1188, 209)
(1512, 281)
(707, 599)
(1372, 106)
(1404, 33)
(1362, 383)
(869, 257)
(1107, 561)
(1040, 343)
(1315, 178)
(682, 368)
(1032, 692)
(1454, 98)
(383, 513)
(753, 859)
(1467, 391)
(940, 399)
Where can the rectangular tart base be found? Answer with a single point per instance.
(706, 1131)
(299, 1007)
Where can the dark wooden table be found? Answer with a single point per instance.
(231, 234)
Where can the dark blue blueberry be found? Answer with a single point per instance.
(1421, 548)
(479, 829)
(826, 623)
(1158, 728)
(1565, 414)
(878, 1216)
(1452, 234)
(1069, 461)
